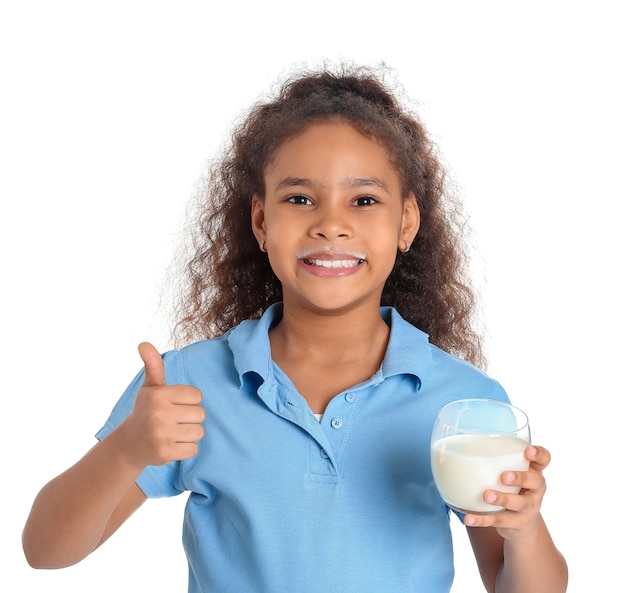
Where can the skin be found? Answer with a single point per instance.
(332, 221)
(81, 508)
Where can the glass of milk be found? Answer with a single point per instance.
(473, 442)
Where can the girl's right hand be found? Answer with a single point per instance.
(165, 423)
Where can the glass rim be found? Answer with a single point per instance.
(518, 411)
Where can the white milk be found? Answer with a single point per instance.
(464, 466)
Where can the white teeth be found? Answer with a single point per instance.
(335, 263)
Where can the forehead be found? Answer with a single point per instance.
(334, 148)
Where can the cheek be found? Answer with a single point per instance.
(277, 266)
(385, 250)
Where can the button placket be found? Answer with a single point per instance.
(336, 425)
(341, 416)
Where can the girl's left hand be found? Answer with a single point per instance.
(521, 511)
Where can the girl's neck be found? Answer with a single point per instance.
(343, 335)
(326, 354)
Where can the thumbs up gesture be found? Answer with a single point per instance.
(165, 423)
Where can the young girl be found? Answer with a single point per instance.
(328, 319)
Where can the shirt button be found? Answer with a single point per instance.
(350, 397)
(323, 454)
(336, 422)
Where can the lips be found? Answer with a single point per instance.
(331, 261)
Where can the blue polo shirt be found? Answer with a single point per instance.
(281, 503)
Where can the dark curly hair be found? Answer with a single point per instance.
(228, 279)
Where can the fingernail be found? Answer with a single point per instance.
(470, 520)
(491, 497)
(532, 451)
(509, 477)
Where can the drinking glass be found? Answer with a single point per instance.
(473, 442)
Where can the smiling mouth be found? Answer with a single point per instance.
(333, 264)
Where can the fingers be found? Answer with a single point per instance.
(521, 509)
(179, 429)
(538, 456)
(531, 486)
(166, 422)
(153, 362)
(155, 376)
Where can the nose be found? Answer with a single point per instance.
(331, 222)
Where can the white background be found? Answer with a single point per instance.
(109, 112)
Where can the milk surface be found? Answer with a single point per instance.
(464, 466)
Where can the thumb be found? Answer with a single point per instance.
(154, 370)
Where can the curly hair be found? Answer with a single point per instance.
(227, 279)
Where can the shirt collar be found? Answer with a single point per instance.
(250, 344)
(408, 351)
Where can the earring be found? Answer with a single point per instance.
(262, 246)
(406, 248)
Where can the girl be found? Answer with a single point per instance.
(328, 319)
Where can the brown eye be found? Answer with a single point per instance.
(365, 201)
(299, 200)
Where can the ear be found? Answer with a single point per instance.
(410, 222)
(258, 219)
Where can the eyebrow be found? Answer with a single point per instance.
(293, 182)
(365, 182)
(348, 182)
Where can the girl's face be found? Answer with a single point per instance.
(333, 218)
